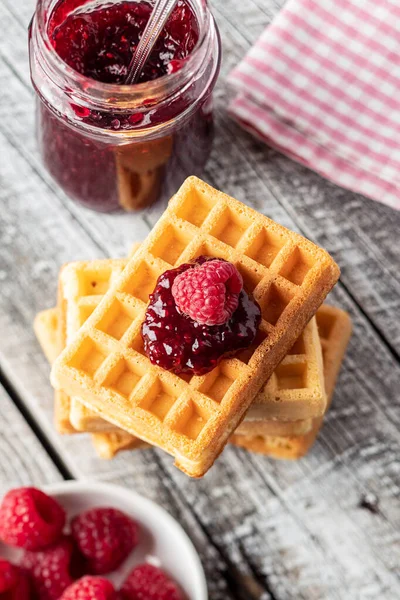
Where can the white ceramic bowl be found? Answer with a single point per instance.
(162, 542)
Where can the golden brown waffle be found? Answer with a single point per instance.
(45, 327)
(334, 327)
(84, 420)
(74, 307)
(82, 286)
(296, 390)
(107, 445)
(105, 363)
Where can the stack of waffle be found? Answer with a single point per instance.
(270, 398)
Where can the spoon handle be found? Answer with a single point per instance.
(156, 23)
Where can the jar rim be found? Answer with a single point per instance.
(131, 97)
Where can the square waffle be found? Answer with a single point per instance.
(295, 392)
(334, 326)
(106, 366)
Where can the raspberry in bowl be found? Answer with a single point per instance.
(155, 554)
(30, 519)
(198, 314)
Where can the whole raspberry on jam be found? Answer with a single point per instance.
(90, 588)
(147, 582)
(105, 537)
(30, 519)
(175, 342)
(208, 293)
(50, 569)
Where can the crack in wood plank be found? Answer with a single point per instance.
(23, 459)
(33, 425)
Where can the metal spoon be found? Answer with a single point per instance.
(158, 18)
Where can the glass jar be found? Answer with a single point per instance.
(123, 146)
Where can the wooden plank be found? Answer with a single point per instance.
(264, 529)
(23, 460)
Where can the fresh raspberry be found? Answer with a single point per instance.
(14, 583)
(8, 575)
(50, 569)
(147, 582)
(90, 588)
(30, 519)
(208, 293)
(105, 537)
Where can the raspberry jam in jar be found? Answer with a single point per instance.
(114, 146)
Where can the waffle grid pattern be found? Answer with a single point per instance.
(298, 379)
(296, 390)
(71, 416)
(288, 275)
(82, 286)
(334, 327)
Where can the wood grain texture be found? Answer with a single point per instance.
(24, 461)
(264, 529)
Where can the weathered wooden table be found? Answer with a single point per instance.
(327, 527)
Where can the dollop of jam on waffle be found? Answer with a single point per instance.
(180, 344)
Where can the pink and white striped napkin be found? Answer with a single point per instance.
(322, 85)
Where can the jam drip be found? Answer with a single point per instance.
(99, 40)
(177, 343)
